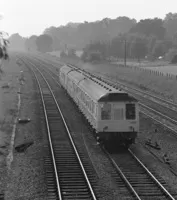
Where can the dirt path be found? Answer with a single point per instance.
(24, 164)
(9, 86)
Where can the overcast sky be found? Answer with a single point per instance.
(28, 17)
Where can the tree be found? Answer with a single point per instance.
(72, 53)
(44, 43)
(17, 42)
(174, 59)
(84, 56)
(95, 56)
(150, 27)
(159, 49)
(151, 42)
(4, 42)
(175, 36)
(170, 54)
(97, 46)
(30, 43)
(170, 23)
(117, 46)
(63, 54)
(138, 47)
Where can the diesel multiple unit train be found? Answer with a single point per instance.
(113, 114)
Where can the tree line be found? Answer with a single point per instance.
(42, 43)
(148, 38)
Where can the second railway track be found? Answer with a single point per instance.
(141, 182)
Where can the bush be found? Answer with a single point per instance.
(170, 54)
(63, 54)
(95, 56)
(174, 59)
(91, 56)
(1, 53)
(72, 53)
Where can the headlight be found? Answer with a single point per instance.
(131, 128)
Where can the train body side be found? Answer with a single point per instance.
(113, 114)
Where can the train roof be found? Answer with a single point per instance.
(65, 69)
(92, 88)
(97, 90)
(117, 97)
(76, 76)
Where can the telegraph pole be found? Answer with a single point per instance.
(125, 52)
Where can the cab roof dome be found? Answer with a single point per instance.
(116, 97)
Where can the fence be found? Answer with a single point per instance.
(149, 71)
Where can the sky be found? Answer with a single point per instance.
(32, 17)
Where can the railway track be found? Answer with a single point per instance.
(65, 172)
(138, 178)
(140, 181)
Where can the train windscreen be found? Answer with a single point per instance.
(130, 111)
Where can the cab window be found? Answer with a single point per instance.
(130, 111)
(106, 111)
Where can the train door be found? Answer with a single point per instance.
(118, 111)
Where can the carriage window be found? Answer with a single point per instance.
(84, 98)
(89, 104)
(106, 111)
(96, 110)
(130, 111)
(86, 101)
(92, 109)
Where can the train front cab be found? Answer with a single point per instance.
(118, 121)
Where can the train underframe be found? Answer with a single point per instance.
(122, 138)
